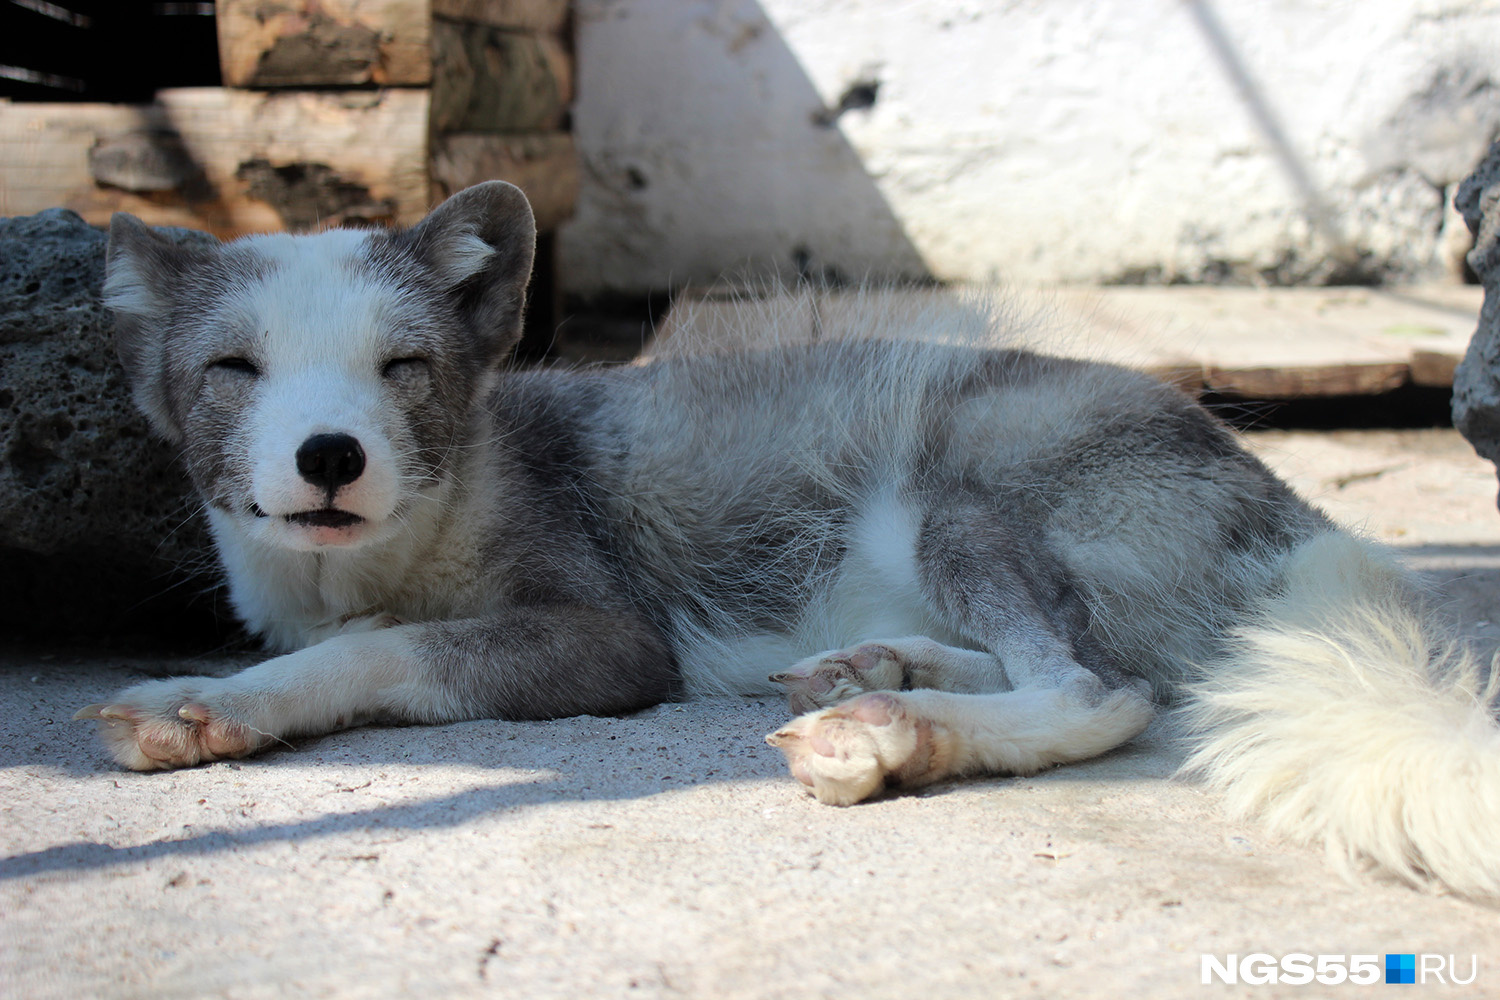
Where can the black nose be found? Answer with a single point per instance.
(330, 461)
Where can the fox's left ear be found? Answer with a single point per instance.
(480, 244)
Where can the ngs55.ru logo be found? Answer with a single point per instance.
(1298, 969)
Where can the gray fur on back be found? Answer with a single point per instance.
(722, 485)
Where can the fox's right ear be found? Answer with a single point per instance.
(143, 270)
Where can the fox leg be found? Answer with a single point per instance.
(530, 662)
(1070, 700)
(912, 661)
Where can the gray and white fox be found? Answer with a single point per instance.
(957, 561)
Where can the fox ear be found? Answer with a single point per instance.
(142, 268)
(479, 244)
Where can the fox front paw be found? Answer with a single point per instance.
(838, 675)
(172, 723)
(848, 753)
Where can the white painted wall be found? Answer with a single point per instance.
(1029, 141)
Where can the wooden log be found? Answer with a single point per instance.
(519, 15)
(515, 49)
(228, 161)
(544, 166)
(489, 80)
(330, 43)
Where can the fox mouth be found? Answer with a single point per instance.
(328, 517)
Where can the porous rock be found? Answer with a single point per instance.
(1476, 383)
(98, 532)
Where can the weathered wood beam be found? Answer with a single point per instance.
(520, 15)
(492, 65)
(544, 166)
(488, 80)
(329, 43)
(228, 161)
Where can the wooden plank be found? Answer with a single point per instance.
(1433, 368)
(544, 166)
(521, 15)
(329, 43)
(489, 80)
(228, 161)
(1281, 343)
(1294, 382)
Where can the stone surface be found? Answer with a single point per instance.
(97, 533)
(1476, 383)
(1122, 140)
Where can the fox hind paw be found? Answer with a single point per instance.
(848, 753)
(838, 675)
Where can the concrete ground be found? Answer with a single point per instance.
(668, 854)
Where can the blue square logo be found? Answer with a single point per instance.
(1401, 968)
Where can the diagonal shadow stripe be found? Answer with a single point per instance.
(438, 813)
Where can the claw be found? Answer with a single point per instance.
(119, 712)
(195, 712)
(90, 712)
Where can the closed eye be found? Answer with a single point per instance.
(404, 367)
(237, 366)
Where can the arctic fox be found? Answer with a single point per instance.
(956, 561)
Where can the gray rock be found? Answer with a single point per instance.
(1476, 383)
(98, 536)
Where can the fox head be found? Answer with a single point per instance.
(321, 387)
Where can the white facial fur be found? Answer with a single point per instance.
(323, 329)
(366, 351)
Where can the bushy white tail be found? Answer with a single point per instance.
(1345, 713)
